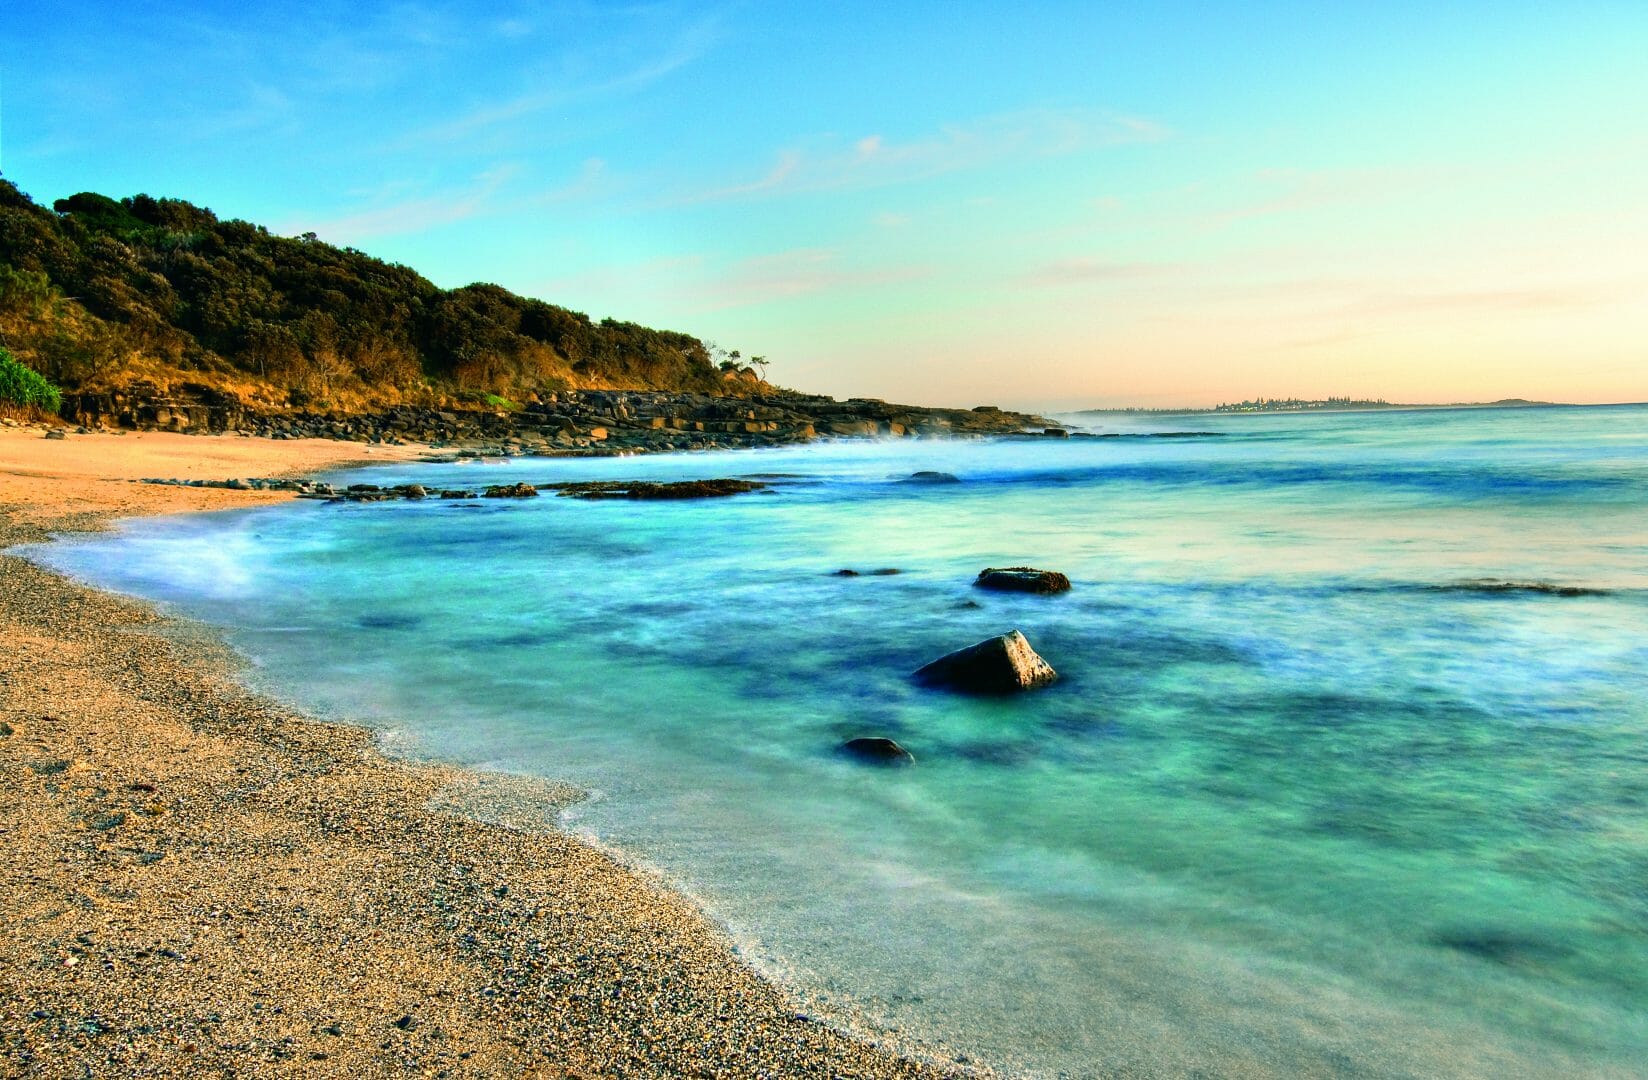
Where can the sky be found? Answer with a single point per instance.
(1049, 205)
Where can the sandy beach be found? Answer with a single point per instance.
(201, 882)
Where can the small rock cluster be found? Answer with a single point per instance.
(1005, 664)
(578, 489)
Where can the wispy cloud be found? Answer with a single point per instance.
(874, 160)
(1288, 191)
(568, 86)
(789, 274)
(414, 215)
(703, 285)
(1091, 271)
(393, 210)
(665, 273)
(590, 182)
(1377, 312)
(262, 108)
(1489, 300)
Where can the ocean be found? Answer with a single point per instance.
(1346, 772)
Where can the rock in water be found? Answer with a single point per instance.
(999, 665)
(877, 751)
(1022, 579)
(929, 476)
(510, 491)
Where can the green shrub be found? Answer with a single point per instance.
(24, 387)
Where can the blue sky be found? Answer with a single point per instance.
(1064, 204)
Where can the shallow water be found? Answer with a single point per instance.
(1305, 800)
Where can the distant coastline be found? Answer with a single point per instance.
(1281, 405)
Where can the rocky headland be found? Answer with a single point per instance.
(576, 423)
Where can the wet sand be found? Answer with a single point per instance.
(201, 882)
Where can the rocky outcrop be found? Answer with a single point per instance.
(998, 665)
(584, 422)
(875, 750)
(510, 491)
(930, 476)
(640, 489)
(580, 489)
(1025, 579)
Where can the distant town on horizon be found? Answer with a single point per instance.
(1329, 404)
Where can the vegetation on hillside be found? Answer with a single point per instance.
(23, 391)
(98, 294)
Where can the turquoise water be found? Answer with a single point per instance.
(1303, 802)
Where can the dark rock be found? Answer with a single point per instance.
(407, 1022)
(415, 491)
(998, 665)
(845, 573)
(886, 571)
(1541, 588)
(1501, 946)
(929, 476)
(1055, 433)
(510, 491)
(1022, 579)
(679, 489)
(877, 751)
(56, 433)
(454, 493)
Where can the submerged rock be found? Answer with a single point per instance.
(876, 750)
(1542, 588)
(1022, 579)
(998, 665)
(929, 476)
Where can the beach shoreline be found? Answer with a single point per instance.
(206, 882)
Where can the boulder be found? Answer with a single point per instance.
(998, 665)
(875, 750)
(930, 476)
(1022, 579)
